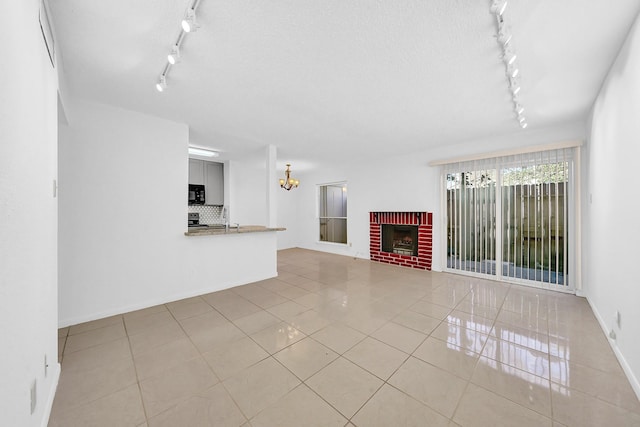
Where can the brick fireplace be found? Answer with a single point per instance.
(392, 238)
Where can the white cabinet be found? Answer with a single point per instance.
(214, 183)
(196, 171)
(211, 175)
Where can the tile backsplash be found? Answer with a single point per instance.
(208, 214)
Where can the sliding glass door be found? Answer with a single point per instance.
(509, 217)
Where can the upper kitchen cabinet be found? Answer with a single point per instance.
(196, 171)
(214, 183)
(211, 175)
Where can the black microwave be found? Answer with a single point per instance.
(196, 194)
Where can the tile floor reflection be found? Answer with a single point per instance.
(335, 341)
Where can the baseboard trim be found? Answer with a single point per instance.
(52, 395)
(633, 380)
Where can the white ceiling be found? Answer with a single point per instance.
(364, 77)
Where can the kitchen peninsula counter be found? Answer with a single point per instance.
(220, 231)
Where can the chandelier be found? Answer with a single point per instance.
(288, 183)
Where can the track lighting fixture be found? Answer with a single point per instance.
(174, 56)
(162, 83)
(189, 24)
(504, 39)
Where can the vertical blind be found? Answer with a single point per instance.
(508, 217)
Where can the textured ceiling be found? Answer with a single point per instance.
(321, 77)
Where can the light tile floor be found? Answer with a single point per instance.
(335, 341)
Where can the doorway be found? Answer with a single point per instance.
(510, 217)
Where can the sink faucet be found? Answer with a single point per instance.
(237, 227)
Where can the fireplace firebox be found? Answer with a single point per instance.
(400, 239)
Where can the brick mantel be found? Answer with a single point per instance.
(424, 221)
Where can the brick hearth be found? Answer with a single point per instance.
(424, 221)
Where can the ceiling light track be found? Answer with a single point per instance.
(187, 25)
(509, 57)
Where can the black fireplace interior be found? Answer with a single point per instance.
(400, 239)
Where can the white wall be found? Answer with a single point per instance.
(400, 183)
(611, 278)
(28, 218)
(248, 189)
(123, 214)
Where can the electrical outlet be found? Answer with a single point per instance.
(34, 396)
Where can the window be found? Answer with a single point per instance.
(333, 212)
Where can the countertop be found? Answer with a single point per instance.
(217, 230)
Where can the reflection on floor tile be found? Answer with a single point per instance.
(344, 342)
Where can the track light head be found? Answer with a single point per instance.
(509, 57)
(189, 24)
(503, 37)
(174, 56)
(498, 7)
(162, 83)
